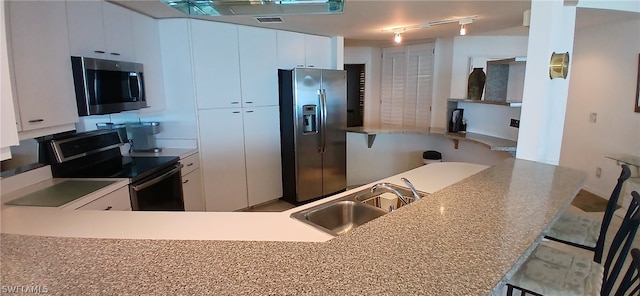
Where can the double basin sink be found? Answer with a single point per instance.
(339, 216)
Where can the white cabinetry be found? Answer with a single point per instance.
(192, 183)
(240, 150)
(262, 154)
(147, 52)
(302, 50)
(115, 201)
(223, 164)
(216, 64)
(41, 66)
(258, 66)
(100, 29)
(8, 132)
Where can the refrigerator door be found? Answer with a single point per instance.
(307, 140)
(333, 136)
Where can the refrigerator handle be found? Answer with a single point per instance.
(323, 116)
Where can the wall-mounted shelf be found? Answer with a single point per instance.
(493, 143)
(507, 104)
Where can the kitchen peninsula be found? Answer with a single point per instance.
(465, 238)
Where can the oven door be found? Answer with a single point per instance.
(160, 192)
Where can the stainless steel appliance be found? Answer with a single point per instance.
(106, 86)
(142, 136)
(155, 182)
(313, 118)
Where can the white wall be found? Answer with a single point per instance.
(604, 78)
(371, 58)
(395, 153)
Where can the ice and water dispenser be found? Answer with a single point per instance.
(309, 120)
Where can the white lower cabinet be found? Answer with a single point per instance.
(115, 201)
(192, 183)
(240, 150)
(222, 152)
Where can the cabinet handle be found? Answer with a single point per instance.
(235, 102)
(185, 181)
(249, 102)
(250, 111)
(300, 65)
(98, 51)
(115, 54)
(36, 120)
(311, 66)
(108, 208)
(236, 112)
(190, 164)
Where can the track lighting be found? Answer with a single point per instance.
(463, 21)
(397, 38)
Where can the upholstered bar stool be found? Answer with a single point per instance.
(584, 232)
(549, 271)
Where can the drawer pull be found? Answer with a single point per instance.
(115, 54)
(108, 208)
(36, 120)
(190, 164)
(235, 102)
(185, 181)
(98, 51)
(249, 102)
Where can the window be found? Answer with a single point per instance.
(407, 83)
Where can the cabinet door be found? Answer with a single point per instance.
(86, 29)
(118, 34)
(8, 129)
(291, 53)
(223, 164)
(115, 201)
(192, 192)
(42, 67)
(258, 66)
(147, 51)
(216, 64)
(262, 150)
(318, 52)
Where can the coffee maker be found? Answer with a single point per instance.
(142, 136)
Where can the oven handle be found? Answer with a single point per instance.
(153, 181)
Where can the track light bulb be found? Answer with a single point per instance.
(397, 38)
(463, 30)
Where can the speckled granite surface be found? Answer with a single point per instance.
(463, 240)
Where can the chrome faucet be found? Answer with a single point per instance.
(416, 196)
(390, 189)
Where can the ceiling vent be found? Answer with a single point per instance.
(269, 19)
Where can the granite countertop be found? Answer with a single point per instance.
(493, 143)
(465, 239)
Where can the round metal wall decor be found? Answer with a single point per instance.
(559, 65)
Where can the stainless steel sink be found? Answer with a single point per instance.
(339, 216)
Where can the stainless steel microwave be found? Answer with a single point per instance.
(106, 86)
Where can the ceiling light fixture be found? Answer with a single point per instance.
(461, 20)
(397, 38)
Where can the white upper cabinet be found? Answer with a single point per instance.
(41, 65)
(147, 52)
(303, 51)
(258, 66)
(317, 51)
(216, 64)
(101, 30)
(291, 52)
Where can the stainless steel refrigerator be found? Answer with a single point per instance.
(313, 118)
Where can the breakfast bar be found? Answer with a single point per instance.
(466, 238)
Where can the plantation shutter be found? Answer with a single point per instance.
(407, 84)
